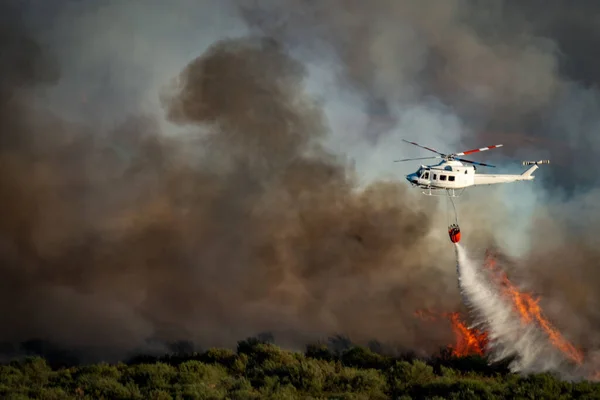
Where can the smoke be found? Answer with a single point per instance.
(460, 52)
(242, 223)
(207, 172)
(448, 74)
(468, 74)
(512, 73)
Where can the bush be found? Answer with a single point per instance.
(264, 371)
(158, 375)
(194, 372)
(360, 357)
(224, 357)
(319, 352)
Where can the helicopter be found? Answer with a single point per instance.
(452, 176)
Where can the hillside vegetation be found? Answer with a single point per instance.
(260, 370)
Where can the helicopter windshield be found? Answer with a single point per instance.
(423, 173)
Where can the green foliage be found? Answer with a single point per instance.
(351, 380)
(157, 375)
(224, 357)
(319, 352)
(544, 386)
(361, 357)
(261, 370)
(197, 372)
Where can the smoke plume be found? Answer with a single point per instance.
(111, 239)
(208, 172)
(516, 72)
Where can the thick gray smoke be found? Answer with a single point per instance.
(239, 225)
(513, 72)
(210, 171)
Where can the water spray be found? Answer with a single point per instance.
(509, 335)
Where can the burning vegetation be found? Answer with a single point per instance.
(467, 340)
(530, 312)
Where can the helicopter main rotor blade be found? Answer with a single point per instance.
(464, 153)
(474, 162)
(423, 147)
(420, 158)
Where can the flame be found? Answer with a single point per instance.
(530, 311)
(468, 341)
(471, 341)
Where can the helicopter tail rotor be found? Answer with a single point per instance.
(536, 162)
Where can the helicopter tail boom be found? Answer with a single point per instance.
(488, 179)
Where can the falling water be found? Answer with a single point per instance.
(508, 335)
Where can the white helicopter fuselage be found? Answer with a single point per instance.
(452, 174)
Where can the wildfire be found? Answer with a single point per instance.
(468, 341)
(530, 312)
(473, 341)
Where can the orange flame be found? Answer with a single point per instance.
(530, 312)
(468, 341)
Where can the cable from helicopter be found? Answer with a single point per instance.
(453, 229)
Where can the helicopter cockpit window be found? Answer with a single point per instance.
(426, 175)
